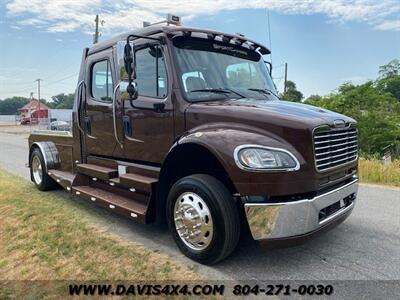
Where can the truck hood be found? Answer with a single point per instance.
(286, 122)
(262, 113)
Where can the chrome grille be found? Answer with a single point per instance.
(334, 147)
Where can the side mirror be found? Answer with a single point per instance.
(130, 68)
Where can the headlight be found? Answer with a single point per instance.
(261, 158)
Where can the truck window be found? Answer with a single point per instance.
(188, 77)
(150, 64)
(242, 75)
(102, 85)
(223, 66)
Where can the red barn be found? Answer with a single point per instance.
(31, 111)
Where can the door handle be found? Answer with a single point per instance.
(81, 87)
(127, 126)
(88, 126)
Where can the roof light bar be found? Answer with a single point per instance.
(226, 38)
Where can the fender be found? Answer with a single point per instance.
(50, 154)
(221, 140)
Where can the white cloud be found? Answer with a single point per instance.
(74, 15)
(32, 21)
(389, 25)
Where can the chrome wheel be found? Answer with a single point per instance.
(37, 170)
(193, 221)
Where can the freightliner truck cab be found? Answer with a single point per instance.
(184, 126)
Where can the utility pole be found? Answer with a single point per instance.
(285, 86)
(38, 81)
(96, 32)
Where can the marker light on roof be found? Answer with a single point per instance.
(172, 19)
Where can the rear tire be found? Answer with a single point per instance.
(39, 172)
(203, 218)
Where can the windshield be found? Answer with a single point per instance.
(212, 70)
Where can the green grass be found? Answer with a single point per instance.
(373, 171)
(50, 236)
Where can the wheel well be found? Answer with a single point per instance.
(49, 152)
(185, 160)
(33, 147)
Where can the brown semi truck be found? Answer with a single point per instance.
(184, 126)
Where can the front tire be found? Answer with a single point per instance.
(203, 218)
(38, 172)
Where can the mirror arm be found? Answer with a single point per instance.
(270, 67)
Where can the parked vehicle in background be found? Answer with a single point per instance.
(34, 117)
(184, 125)
(60, 126)
(60, 115)
(28, 120)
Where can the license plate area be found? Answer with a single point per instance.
(329, 210)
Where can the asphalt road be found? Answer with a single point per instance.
(365, 246)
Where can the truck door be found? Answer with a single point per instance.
(98, 122)
(148, 120)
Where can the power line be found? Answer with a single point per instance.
(22, 91)
(22, 82)
(44, 85)
(62, 79)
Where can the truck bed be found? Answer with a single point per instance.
(64, 142)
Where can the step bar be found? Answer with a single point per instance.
(119, 204)
(138, 182)
(95, 171)
(127, 194)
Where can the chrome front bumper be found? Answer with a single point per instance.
(300, 217)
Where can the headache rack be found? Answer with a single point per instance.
(335, 147)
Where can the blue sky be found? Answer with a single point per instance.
(324, 42)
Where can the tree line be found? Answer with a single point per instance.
(10, 106)
(375, 105)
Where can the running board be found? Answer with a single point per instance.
(119, 204)
(135, 182)
(63, 178)
(95, 171)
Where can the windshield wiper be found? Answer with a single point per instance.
(218, 91)
(263, 91)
